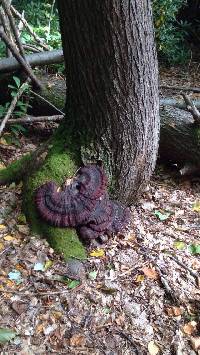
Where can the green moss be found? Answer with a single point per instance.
(15, 171)
(65, 242)
(61, 162)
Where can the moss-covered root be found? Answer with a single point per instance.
(15, 171)
(60, 163)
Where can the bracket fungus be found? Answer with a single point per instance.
(83, 204)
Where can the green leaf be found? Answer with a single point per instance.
(17, 81)
(194, 249)
(93, 275)
(74, 283)
(6, 335)
(179, 244)
(162, 215)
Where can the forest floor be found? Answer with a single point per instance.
(136, 294)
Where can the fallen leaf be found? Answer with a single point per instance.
(179, 244)
(162, 215)
(8, 238)
(39, 267)
(194, 249)
(97, 253)
(139, 278)
(48, 264)
(2, 226)
(195, 342)
(153, 348)
(77, 340)
(74, 283)
(190, 327)
(93, 275)
(174, 311)
(15, 275)
(1, 246)
(21, 219)
(151, 273)
(23, 229)
(108, 290)
(196, 206)
(6, 335)
(19, 307)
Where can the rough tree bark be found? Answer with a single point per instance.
(112, 85)
(112, 108)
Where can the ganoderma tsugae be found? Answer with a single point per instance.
(83, 204)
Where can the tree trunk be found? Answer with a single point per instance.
(112, 95)
(112, 108)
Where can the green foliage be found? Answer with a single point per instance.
(20, 111)
(170, 35)
(43, 18)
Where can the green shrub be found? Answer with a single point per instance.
(170, 35)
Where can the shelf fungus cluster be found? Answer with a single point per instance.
(83, 204)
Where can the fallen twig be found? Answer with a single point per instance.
(32, 119)
(45, 100)
(12, 105)
(41, 58)
(37, 38)
(166, 285)
(31, 48)
(6, 27)
(192, 108)
(180, 88)
(129, 339)
(20, 59)
(184, 266)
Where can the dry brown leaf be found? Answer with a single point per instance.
(190, 327)
(77, 340)
(174, 311)
(151, 273)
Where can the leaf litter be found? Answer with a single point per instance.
(136, 294)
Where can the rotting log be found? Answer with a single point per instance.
(180, 140)
(8, 65)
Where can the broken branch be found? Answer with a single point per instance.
(20, 59)
(192, 108)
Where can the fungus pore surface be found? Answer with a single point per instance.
(83, 204)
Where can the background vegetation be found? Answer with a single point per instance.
(177, 31)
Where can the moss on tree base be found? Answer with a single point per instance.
(57, 161)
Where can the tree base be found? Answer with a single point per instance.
(57, 161)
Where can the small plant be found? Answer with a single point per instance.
(22, 104)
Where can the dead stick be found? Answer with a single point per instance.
(12, 105)
(6, 28)
(7, 10)
(180, 88)
(45, 100)
(192, 108)
(20, 59)
(31, 48)
(37, 38)
(31, 119)
(184, 266)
